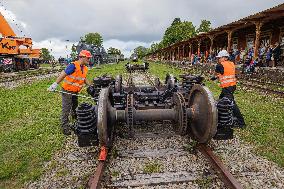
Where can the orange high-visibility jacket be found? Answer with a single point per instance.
(228, 78)
(76, 80)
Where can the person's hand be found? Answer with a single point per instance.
(213, 78)
(52, 87)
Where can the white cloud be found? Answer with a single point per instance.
(124, 24)
(17, 25)
(55, 46)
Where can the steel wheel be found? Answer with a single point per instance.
(204, 116)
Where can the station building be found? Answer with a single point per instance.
(265, 28)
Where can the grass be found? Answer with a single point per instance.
(160, 70)
(29, 132)
(190, 147)
(263, 115)
(45, 65)
(204, 183)
(108, 69)
(115, 174)
(152, 167)
(30, 128)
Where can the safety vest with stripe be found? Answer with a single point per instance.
(75, 81)
(228, 78)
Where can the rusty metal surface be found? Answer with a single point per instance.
(118, 84)
(155, 115)
(204, 119)
(180, 108)
(94, 182)
(219, 167)
(102, 116)
(130, 113)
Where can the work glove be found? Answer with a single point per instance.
(52, 87)
(213, 78)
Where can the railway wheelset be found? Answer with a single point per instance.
(137, 67)
(188, 104)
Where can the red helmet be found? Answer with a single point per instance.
(85, 53)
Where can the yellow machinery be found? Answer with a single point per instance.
(16, 53)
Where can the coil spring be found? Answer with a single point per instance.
(86, 119)
(225, 112)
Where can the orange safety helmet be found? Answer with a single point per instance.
(85, 53)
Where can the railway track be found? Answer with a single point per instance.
(262, 88)
(158, 157)
(10, 77)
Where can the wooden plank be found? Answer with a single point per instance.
(156, 179)
(152, 153)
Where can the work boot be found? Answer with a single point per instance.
(66, 130)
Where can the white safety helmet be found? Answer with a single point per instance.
(222, 53)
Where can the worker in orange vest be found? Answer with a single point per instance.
(74, 78)
(225, 71)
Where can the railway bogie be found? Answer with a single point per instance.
(188, 104)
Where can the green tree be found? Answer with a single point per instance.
(45, 54)
(73, 52)
(178, 31)
(154, 47)
(205, 26)
(113, 50)
(93, 39)
(140, 51)
(176, 21)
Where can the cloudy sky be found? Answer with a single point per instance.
(124, 24)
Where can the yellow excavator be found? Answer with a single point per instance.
(16, 53)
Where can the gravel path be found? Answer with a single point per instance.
(25, 81)
(72, 166)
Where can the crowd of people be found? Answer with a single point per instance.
(268, 55)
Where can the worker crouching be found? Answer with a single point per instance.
(74, 78)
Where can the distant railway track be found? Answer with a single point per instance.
(263, 88)
(16, 76)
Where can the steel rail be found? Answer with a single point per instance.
(264, 89)
(12, 78)
(258, 81)
(95, 180)
(224, 174)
